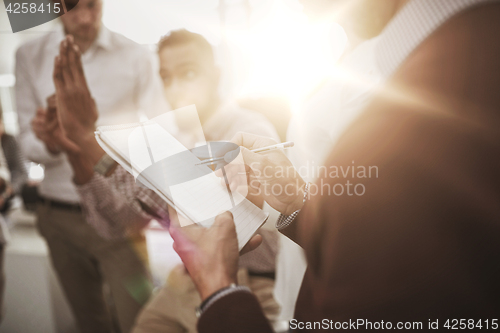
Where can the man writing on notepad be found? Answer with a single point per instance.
(115, 204)
(421, 245)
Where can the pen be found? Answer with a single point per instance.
(257, 150)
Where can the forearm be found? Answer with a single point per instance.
(110, 212)
(83, 169)
(90, 149)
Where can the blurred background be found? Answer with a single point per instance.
(272, 59)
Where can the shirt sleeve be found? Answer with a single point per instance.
(27, 104)
(240, 312)
(116, 206)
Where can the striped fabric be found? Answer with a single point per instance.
(412, 25)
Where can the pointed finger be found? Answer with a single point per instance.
(74, 63)
(63, 53)
(223, 219)
(57, 74)
(252, 141)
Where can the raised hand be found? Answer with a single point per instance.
(76, 108)
(270, 175)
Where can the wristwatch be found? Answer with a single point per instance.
(105, 164)
(285, 220)
(218, 295)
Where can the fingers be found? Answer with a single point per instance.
(63, 56)
(51, 101)
(257, 162)
(252, 244)
(249, 158)
(39, 118)
(181, 241)
(224, 219)
(252, 141)
(72, 55)
(51, 105)
(40, 112)
(178, 220)
(237, 178)
(69, 146)
(173, 217)
(230, 156)
(74, 62)
(57, 74)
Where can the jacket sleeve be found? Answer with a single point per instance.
(237, 312)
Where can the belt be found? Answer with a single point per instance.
(60, 204)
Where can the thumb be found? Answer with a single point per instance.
(231, 155)
(181, 241)
(223, 219)
(252, 244)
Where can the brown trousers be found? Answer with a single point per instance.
(85, 263)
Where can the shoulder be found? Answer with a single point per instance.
(122, 43)
(456, 68)
(459, 43)
(34, 47)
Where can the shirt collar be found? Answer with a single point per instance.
(103, 39)
(411, 26)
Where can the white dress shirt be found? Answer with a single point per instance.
(121, 79)
(314, 131)
(329, 112)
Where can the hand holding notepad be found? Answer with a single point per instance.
(211, 254)
(149, 152)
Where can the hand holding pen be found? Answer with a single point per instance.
(272, 173)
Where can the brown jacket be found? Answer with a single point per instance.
(423, 242)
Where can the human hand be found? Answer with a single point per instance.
(270, 175)
(46, 127)
(210, 255)
(76, 108)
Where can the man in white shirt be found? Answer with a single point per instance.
(121, 77)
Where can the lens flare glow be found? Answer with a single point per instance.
(286, 54)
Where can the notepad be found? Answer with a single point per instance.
(159, 161)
